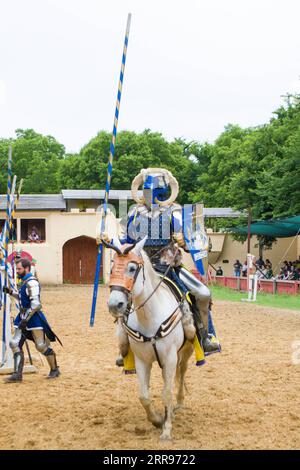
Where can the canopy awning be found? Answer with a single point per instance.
(277, 228)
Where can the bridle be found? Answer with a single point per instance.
(125, 284)
(119, 281)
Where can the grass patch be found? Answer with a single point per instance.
(283, 301)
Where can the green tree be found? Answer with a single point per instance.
(36, 158)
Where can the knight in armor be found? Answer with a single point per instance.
(30, 323)
(157, 217)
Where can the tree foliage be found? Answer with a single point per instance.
(257, 168)
(36, 158)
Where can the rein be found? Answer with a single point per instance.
(153, 292)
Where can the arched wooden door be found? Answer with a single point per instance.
(79, 260)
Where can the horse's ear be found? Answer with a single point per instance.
(117, 243)
(139, 246)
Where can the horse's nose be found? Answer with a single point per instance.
(115, 304)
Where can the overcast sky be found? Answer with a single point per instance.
(192, 66)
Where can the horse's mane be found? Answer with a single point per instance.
(147, 262)
(149, 266)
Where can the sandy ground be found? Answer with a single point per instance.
(247, 397)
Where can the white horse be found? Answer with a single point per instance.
(158, 327)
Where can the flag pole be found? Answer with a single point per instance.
(5, 239)
(109, 170)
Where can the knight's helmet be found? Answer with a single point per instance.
(156, 183)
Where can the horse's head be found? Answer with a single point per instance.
(125, 276)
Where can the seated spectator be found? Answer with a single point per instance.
(244, 269)
(292, 273)
(281, 274)
(285, 265)
(33, 236)
(286, 275)
(219, 271)
(237, 268)
(296, 275)
(268, 264)
(289, 271)
(260, 263)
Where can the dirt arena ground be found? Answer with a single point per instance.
(247, 397)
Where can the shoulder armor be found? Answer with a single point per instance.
(33, 287)
(32, 281)
(132, 210)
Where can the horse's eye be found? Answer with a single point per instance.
(132, 269)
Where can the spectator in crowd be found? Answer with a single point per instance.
(281, 274)
(296, 275)
(260, 263)
(219, 271)
(285, 266)
(268, 264)
(269, 272)
(33, 236)
(244, 269)
(289, 271)
(237, 268)
(284, 274)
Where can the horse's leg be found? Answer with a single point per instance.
(143, 371)
(183, 357)
(168, 372)
(123, 341)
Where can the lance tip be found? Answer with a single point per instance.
(128, 21)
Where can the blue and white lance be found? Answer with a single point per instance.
(109, 170)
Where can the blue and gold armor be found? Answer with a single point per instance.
(38, 319)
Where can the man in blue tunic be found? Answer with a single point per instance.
(30, 323)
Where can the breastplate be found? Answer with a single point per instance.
(156, 227)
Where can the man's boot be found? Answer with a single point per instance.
(209, 346)
(51, 359)
(17, 375)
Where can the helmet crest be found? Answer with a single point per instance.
(156, 183)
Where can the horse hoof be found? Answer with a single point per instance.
(178, 407)
(165, 436)
(158, 422)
